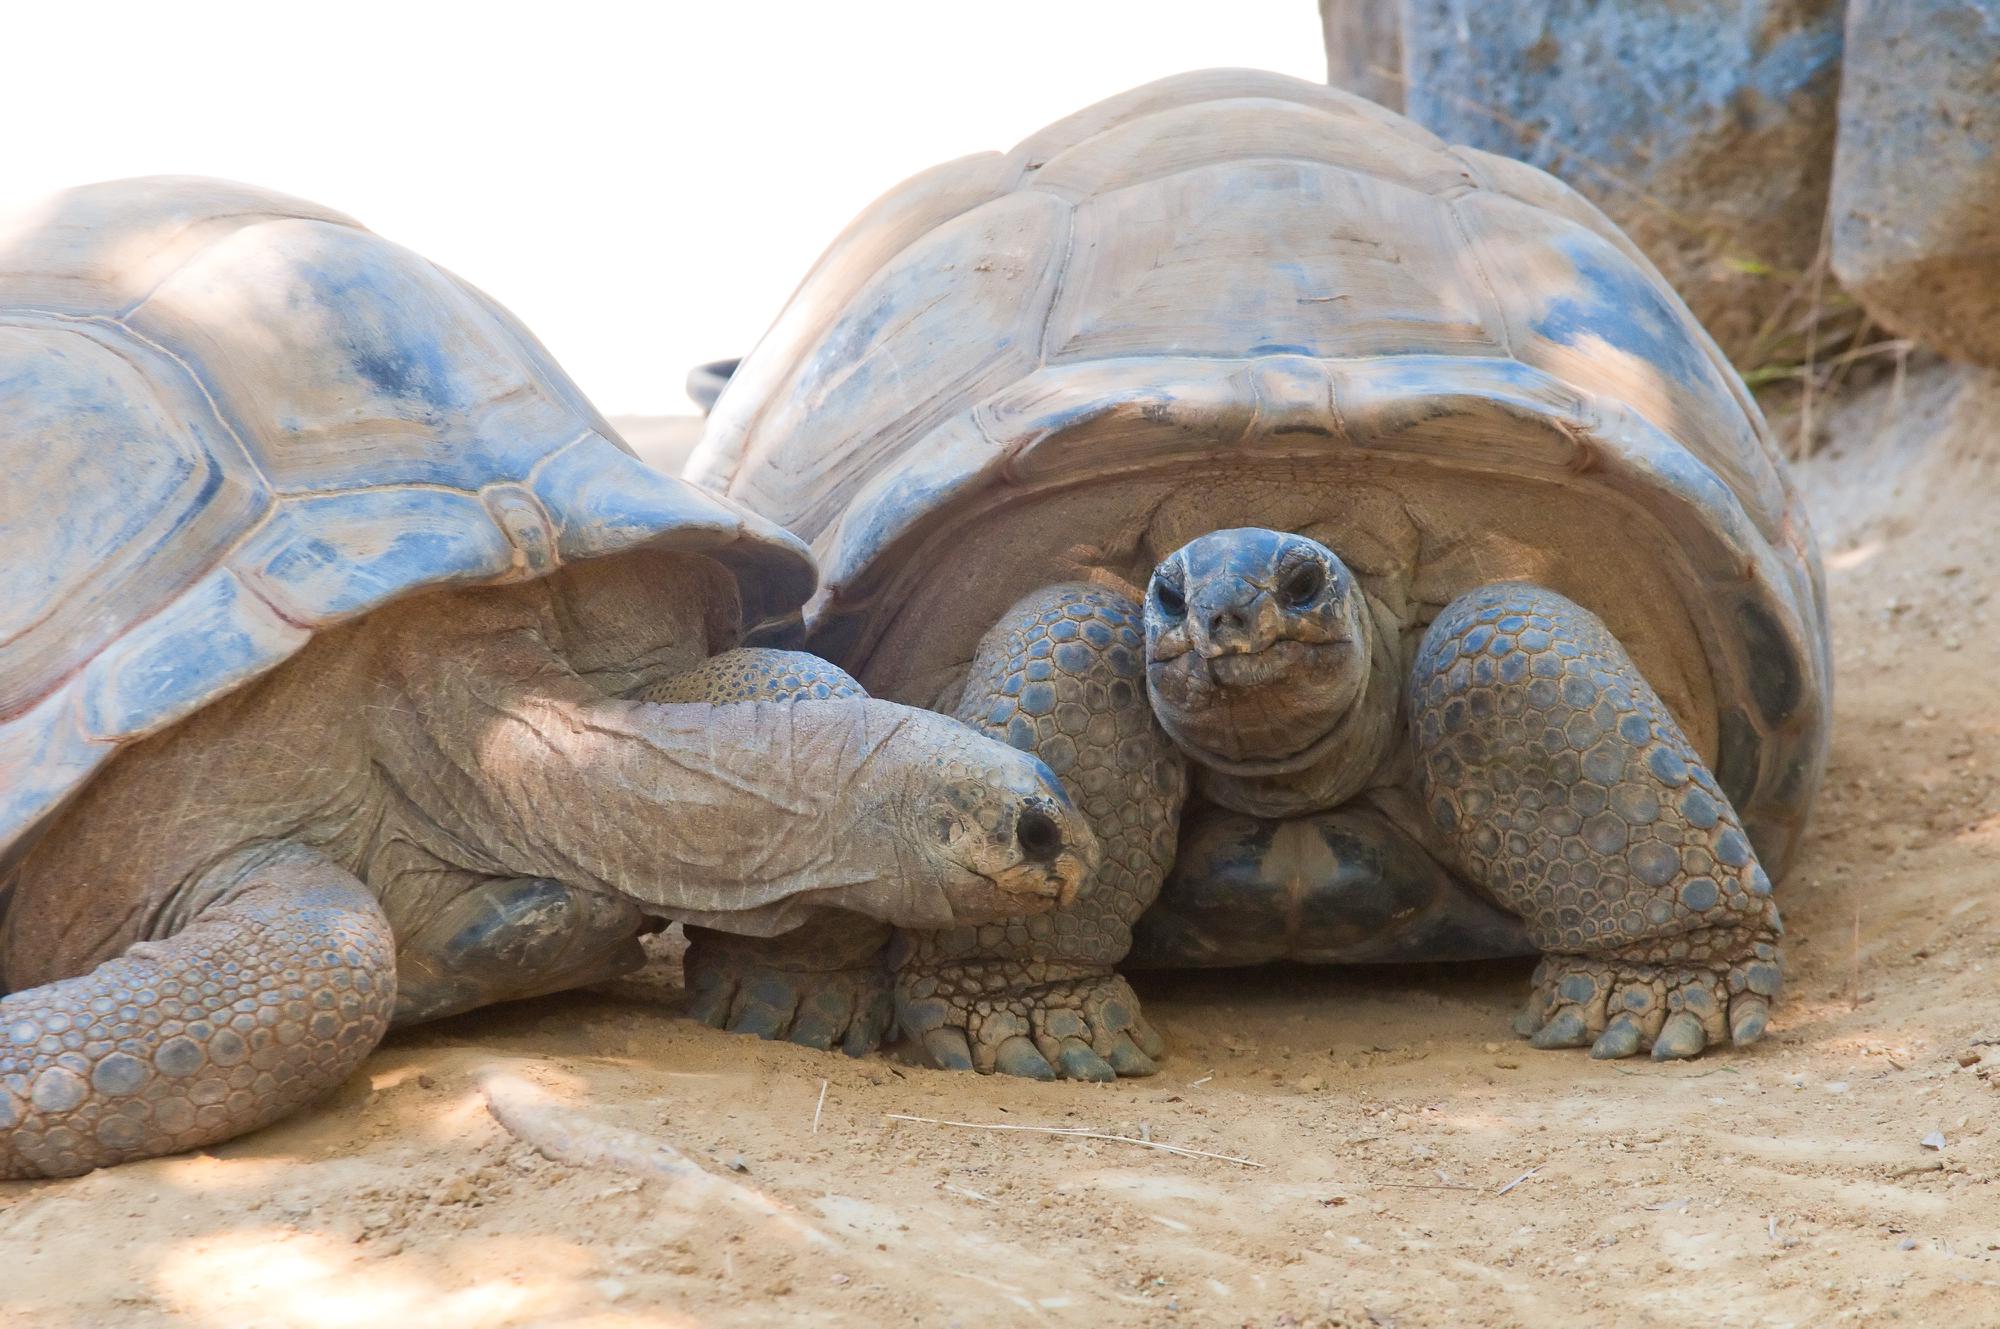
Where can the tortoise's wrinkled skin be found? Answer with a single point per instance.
(1300, 389)
(358, 675)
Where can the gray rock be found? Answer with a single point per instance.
(1364, 48)
(1704, 128)
(1916, 179)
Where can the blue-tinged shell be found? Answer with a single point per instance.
(1235, 298)
(229, 419)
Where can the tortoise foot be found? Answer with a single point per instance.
(1085, 1028)
(748, 989)
(1617, 1009)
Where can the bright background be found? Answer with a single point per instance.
(642, 185)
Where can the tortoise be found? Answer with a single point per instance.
(354, 673)
(1385, 558)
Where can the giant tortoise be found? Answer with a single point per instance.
(352, 672)
(1390, 565)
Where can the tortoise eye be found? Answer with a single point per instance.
(1040, 837)
(1172, 603)
(1302, 585)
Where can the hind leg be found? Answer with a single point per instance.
(1062, 675)
(1567, 792)
(1342, 887)
(506, 938)
(266, 1000)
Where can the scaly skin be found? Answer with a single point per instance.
(269, 999)
(1570, 795)
(1061, 675)
(208, 937)
(823, 985)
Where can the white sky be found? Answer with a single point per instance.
(642, 185)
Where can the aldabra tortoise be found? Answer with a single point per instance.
(353, 673)
(1236, 438)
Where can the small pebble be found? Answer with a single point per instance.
(737, 1164)
(1935, 1140)
(1907, 1244)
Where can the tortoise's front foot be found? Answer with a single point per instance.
(981, 1017)
(806, 987)
(1677, 1010)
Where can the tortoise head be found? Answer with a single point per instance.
(1256, 647)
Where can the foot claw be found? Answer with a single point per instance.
(948, 1049)
(1682, 1037)
(817, 1008)
(1621, 1038)
(817, 1029)
(1128, 1060)
(1076, 1029)
(756, 1018)
(1565, 1029)
(1080, 1063)
(709, 1004)
(1678, 1011)
(1747, 1017)
(1019, 1056)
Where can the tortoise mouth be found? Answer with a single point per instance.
(1254, 712)
(1242, 670)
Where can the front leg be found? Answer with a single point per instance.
(1571, 796)
(269, 998)
(823, 985)
(1062, 675)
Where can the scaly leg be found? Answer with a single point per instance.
(267, 1000)
(507, 938)
(1571, 796)
(1062, 675)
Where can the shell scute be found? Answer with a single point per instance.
(229, 419)
(1503, 388)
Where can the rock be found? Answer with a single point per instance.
(1704, 128)
(1364, 48)
(1916, 230)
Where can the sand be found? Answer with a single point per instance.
(1417, 1165)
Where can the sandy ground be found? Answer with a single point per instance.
(1416, 1165)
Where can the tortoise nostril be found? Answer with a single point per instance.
(1226, 619)
(1039, 836)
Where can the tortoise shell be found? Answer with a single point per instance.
(229, 419)
(1234, 298)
